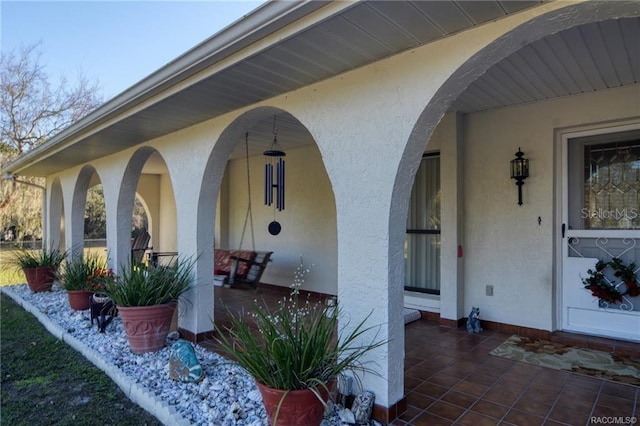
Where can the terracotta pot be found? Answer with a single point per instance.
(299, 408)
(80, 300)
(147, 326)
(40, 278)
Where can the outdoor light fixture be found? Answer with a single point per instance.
(274, 157)
(519, 172)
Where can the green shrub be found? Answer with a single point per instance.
(143, 285)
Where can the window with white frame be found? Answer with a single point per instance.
(422, 243)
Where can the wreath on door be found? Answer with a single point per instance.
(607, 291)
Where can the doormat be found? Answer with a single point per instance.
(411, 315)
(589, 362)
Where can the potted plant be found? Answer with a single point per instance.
(39, 266)
(82, 277)
(146, 297)
(295, 354)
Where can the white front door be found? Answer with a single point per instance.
(600, 222)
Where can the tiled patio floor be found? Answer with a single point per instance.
(450, 379)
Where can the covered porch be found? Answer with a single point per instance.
(468, 87)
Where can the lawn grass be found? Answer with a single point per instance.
(9, 275)
(46, 382)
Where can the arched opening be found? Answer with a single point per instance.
(140, 221)
(95, 217)
(88, 213)
(147, 192)
(308, 222)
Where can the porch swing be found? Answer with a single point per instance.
(242, 268)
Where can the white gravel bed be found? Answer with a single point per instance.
(226, 396)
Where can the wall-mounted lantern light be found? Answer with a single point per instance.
(519, 172)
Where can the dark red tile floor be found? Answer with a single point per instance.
(450, 379)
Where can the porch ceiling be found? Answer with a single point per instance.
(583, 59)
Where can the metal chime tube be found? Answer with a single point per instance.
(273, 151)
(280, 184)
(268, 184)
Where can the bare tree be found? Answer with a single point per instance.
(32, 110)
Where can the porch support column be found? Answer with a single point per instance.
(195, 225)
(452, 249)
(367, 285)
(44, 216)
(370, 258)
(362, 135)
(52, 215)
(74, 227)
(118, 227)
(67, 185)
(196, 306)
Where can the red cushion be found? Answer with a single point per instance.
(223, 260)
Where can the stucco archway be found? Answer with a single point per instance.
(467, 73)
(308, 221)
(87, 178)
(146, 174)
(432, 116)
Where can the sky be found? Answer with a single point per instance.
(116, 43)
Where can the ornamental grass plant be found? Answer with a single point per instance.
(50, 258)
(297, 345)
(148, 285)
(83, 273)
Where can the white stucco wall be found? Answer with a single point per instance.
(308, 220)
(504, 245)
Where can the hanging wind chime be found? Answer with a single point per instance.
(274, 157)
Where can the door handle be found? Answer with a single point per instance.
(564, 228)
